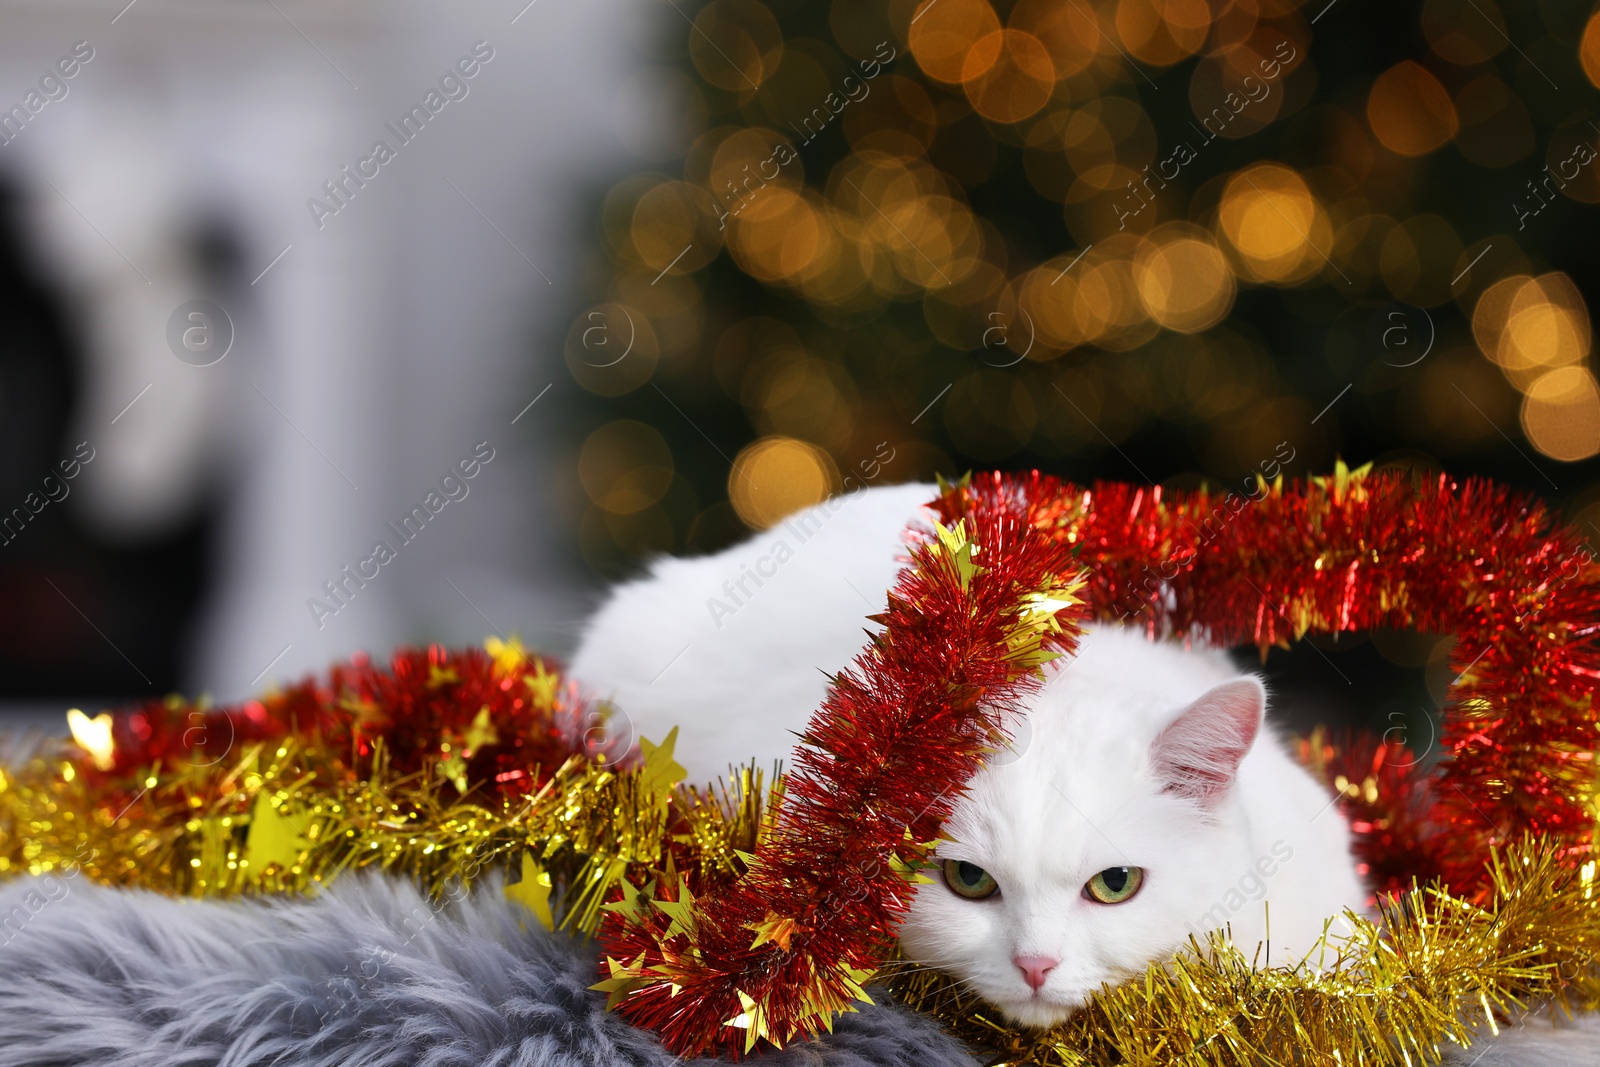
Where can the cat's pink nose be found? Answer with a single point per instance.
(1035, 969)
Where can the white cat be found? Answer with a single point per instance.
(1142, 802)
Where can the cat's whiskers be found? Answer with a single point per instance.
(898, 972)
(970, 983)
(948, 971)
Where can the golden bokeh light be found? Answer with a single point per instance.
(1057, 193)
(676, 311)
(1163, 32)
(1070, 32)
(778, 236)
(1011, 76)
(641, 533)
(908, 232)
(859, 28)
(794, 395)
(745, 162)
(1464, 34)
(1230, 95)
(1548, 323)
(1102, 134)
(1491, 311)
(1561, 414)
(943, 32)
(1050, 293)
(1235, 24)
(935, 240)
(736, 44)
(776, 476)
(1272, 221)
(611, 349)
(625, 466)
(795, 96)
(1530, 325)
(870, 181)
(1089, 147)
(1570, 169)
(1589, 50)
(896, 118)
(1409, 111)
(1107, 303)
(675, 227)
(747, 343)
(1183, 279)
(837, 280)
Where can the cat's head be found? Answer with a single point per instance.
(1087, 858)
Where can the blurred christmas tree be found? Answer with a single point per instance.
(1165, 240)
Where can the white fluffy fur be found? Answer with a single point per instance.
(1089, 793)
(740, 671)
(1128, 757)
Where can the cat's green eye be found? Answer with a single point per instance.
(1114, 884)
(969, 880)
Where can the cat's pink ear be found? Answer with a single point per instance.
(1198, 755)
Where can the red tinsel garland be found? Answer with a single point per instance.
(494, 721)
(774, 954)
(779, 952)
(1466, 557)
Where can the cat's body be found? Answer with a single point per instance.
(732, 648)
(1136, 757)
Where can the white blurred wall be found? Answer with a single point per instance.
(382, 346)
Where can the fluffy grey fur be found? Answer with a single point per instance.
(370, 974)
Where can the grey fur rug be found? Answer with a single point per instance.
(370, 974)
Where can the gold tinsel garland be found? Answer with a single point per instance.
(287, 817)
(1432, 970)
